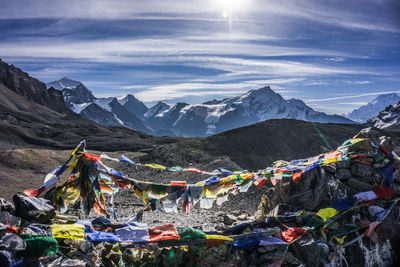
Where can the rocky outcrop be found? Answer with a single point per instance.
(31, 88)
(389, 118)
(358, 178)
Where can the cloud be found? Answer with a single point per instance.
(353, 103)
(349, 96)
(358, 82)
(335, 59)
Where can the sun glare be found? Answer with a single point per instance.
(230, 6)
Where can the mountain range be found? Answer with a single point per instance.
(372, 109)
(186, 120)
(31, 117)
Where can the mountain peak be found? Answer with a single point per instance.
(74, 92)
(134, 105)
(261, 92)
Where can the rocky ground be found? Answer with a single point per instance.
(22, 169)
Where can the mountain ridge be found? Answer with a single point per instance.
(372, 109)
(190, 120)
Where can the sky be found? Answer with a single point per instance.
(335, 55)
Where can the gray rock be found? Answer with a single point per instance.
(362, 146)
(343, 174)
(343, 164)
(33, 209)
(358, 185)
(229, 219)
(369, 132)
(307, 249)
(386, 142)
(7, 206)
(360, 169)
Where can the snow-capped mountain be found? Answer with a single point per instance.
(105, 111)
(183, 119)
(387, 118)
(220, 115)
(372, 109)
(157, 109)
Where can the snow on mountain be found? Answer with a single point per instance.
(220, 115)
(64, 83)
(75, 93)
(372, 109)
(156, 110)
(387, 118)
(183, 119)
(104, 102)
(106, 111)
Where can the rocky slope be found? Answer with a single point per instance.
(389, 118)
(24, 121)
(372, 109)
(30, 88)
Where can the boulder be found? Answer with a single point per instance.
(7, 206)
(12, 242)
(9, 220)
(369, 132)
(33, 209)
(343, 174)
(343, 164)
(386, 143)
(358, 185)
(315, 189)
(307, 250)
(360, 169)
(361, 146)
(229, 219)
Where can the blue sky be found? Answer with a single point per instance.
(335, 55)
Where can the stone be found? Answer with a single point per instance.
(386, 142)
(358, 185)
(86, 246)
(229, 219)
(7, 206)
(33, 209)
(343, 174)
(331, 168)
(343, 164)
(361, 146)
(360, 169)
(368, 133)
(7, 219)
(308, 250)
(242, 217)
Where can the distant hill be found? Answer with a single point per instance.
(258, 145)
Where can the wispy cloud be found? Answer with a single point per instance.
(349, 96)
(358, 82)
(353, 103)
(173, 49)
(335, 59)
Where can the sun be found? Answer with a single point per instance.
(230, 6)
